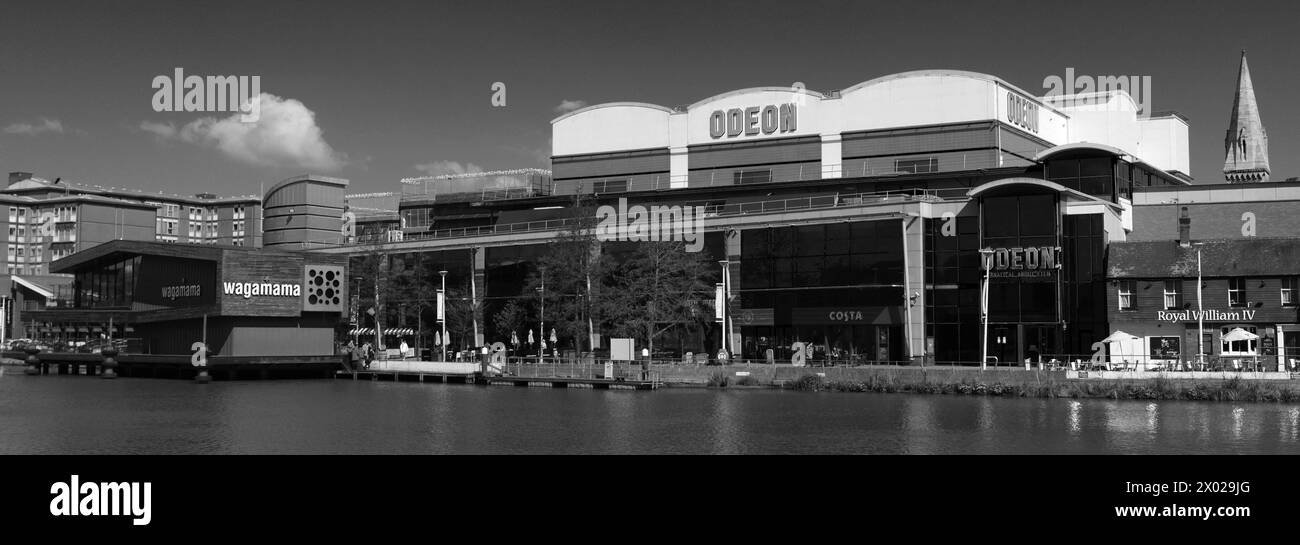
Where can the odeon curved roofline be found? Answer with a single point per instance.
(341, 182)
(611, 105)
(953, 73)
(1037, 182)
(755, 90)
(875, 81)
(1080, 146)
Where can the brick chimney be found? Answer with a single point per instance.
(15, 177)
(1184, 229)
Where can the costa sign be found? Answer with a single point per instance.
(1022, 112)
(754, 120)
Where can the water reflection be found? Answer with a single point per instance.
(1075, 408)
(78, 415)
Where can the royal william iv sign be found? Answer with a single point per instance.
(1032, 262)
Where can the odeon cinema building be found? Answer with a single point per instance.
(853, 220)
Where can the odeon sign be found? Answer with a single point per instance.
(754, 120)
(1014, 262)
(1022, 112)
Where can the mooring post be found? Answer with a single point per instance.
(33, 362)
(110, 364)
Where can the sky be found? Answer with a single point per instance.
(378, 91)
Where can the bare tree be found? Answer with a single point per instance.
(660, 287)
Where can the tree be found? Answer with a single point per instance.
(460, 310)
(573, 268)
(374, 287)
(659, 287)
(511, 318)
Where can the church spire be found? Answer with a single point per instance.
(1246, 144)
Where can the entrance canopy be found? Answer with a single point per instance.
(1239, 334)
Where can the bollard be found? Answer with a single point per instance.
(203, 376)
(33, 362)
(110, 364)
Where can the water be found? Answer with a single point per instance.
(76, 415)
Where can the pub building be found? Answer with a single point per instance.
(851, 220)
(159, 297)
(1248, 286)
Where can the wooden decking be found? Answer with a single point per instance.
(552, 376)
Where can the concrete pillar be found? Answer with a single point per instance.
(914, 288)
(478, 257)
(732, 241)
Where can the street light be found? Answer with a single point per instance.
(356, 296)
(986, 260)
(726, 298)
(541, 339)
(1200, 311)
(442, 313)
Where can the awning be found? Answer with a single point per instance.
(399, 331)
(1239, 334)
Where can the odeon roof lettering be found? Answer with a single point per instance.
(754, 120)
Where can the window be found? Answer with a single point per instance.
(610, 186)
(1237, 292)
(1126, 294)
(1239, 348)
(1165, 348)
(1173, 294)
(239, 212)
(1289, 286)
(751, 176)
(917, 166)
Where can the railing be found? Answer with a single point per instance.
(619, 371)
(715, 211)
(1139, 362)
(849, 168)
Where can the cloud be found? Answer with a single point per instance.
(567, 106)
(162, 130)
(440, 168)
(46, 125)
(285, 134)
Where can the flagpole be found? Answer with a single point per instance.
(986, 256)
(1200, 313)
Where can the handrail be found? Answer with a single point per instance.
(710, 211)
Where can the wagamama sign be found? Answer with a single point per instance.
(264, 289)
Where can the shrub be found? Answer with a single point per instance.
(812, 383)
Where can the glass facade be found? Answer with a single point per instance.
(952, 280)
(837, 286)
(109, 286)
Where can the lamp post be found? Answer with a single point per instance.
(726, 298)
(356, 326)
(442, 313)
(541, 339)
(986, 260)
(1200, 312)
